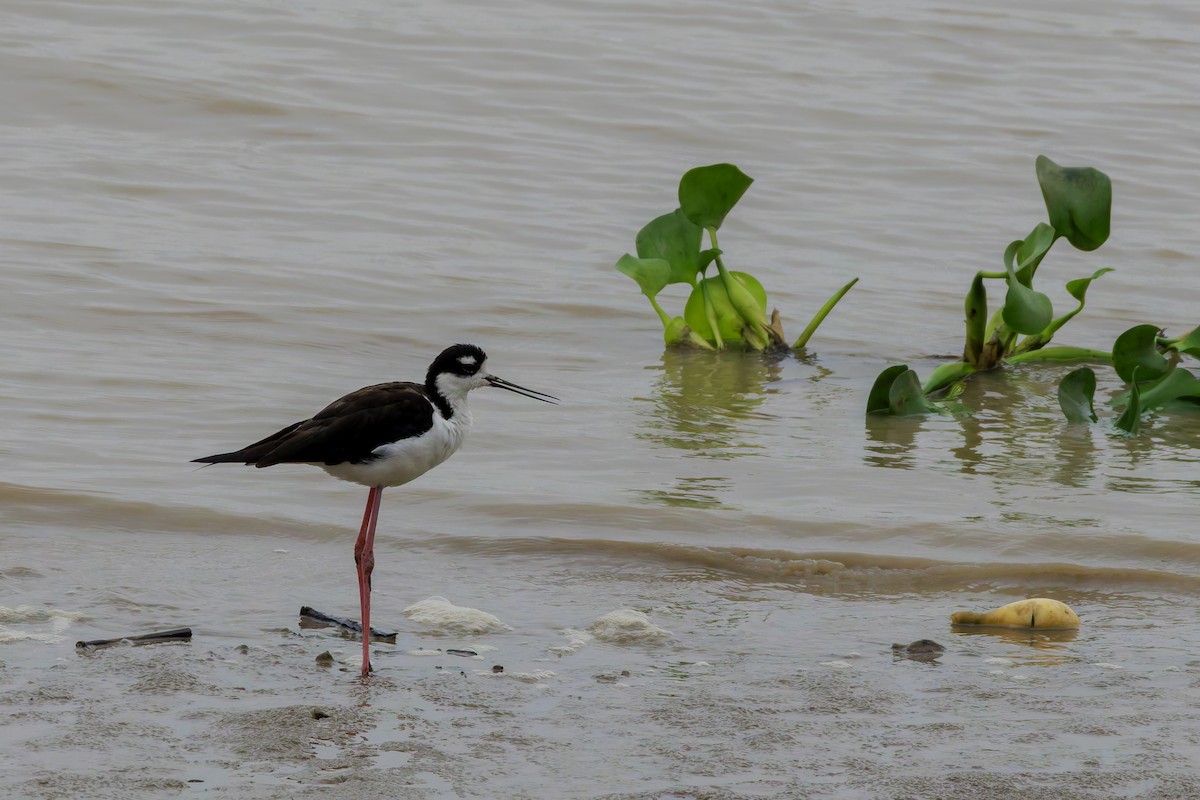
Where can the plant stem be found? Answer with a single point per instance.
(666, 319)
(756, 332)
(711, 315)
(821, 314)
(975, 318)
(947, 374)
(1059, 354)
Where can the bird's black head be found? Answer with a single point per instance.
(461, 368)
(463, 360)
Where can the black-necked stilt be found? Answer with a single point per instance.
(380, 436)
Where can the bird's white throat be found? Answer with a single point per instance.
(454, 388)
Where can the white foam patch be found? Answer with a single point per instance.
(837, 664)
(441, 615)
(627, 626)
(576, 641)
(50, 623)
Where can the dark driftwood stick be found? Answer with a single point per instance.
(173, 635)
(352, 625)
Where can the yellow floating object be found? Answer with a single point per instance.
(1037, 612)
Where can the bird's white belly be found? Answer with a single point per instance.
(402, 461)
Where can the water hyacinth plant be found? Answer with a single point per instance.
(727, 309)
(1140, 358)
(1079, 205)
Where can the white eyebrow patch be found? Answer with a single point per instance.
(468, 361)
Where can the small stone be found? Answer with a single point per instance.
(920, 650)
(325, 659)
(243, 648)
(497, 669)
(319, 714)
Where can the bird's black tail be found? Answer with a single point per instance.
(225, 458)
(251, 454)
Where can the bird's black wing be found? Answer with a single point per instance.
(348, 429)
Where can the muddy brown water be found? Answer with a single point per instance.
(219, 216)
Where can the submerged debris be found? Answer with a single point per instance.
(173, 635)
(920, 650)
(352, 625)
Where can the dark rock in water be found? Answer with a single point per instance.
(325, 659)
(467, 653)
(319, 714)
(920, 650)
(497, 668)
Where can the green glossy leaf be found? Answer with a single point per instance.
(1078, 287)
(1029, 252)
(651, 274)
(905, 398)
(1131, 418)
(1188, 343)
(673, 238)
(707, 194)
(1178, 384)
(1079, 201)
(877, 400)
(729, 321)
(707, 257)
(1025, 310)
(1136, 349)
(1075, 394)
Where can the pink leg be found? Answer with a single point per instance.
(364, 558)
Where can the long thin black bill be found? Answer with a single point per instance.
(500, 383)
